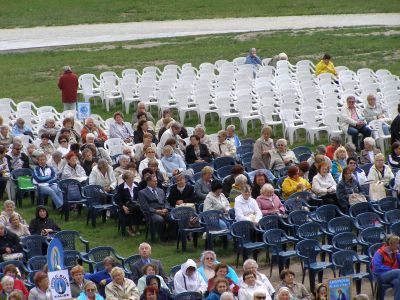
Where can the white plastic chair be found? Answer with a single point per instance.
(89, 87)
(26, 106)
(225, 110)
(239, 61)
(9, 102)
(377, 132)
(291, 123)
(312, 125)
(114, 146)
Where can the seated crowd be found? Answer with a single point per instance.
(158, 171)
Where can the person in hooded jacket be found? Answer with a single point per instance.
(187, 279)
(163, 293)
(42, 224)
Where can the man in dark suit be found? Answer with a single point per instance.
(137, 268)
(153, 203)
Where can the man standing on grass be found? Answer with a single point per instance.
(68, 84)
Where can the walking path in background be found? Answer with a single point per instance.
(40, 37)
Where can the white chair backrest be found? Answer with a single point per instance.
(114, 146)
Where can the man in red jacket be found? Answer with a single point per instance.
(68, 84)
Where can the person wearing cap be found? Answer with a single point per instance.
(68, 84)
(325, 65)
(252, 58)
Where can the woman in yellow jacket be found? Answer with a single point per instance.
(294, 182)
(325, 66)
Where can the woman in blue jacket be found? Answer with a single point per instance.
(103, 277)
(45, 177)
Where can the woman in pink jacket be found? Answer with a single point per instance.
(268, 202)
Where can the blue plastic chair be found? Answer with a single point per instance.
(384, 205)
(303, 157)
(301, 150)
(282, 172)
(72, 258)
(222, 161)
(325, 213)
(69, 238)
(188, 296)
(395, 228)
(338, 225)
(198, 166)
(297, 218)
(347, 241)
(267, 173)
(244, 149)
(246, 157)
(72, 195)
(367, 219)
(365, 168)
(34, 245)
(344, 261)
(359, 208)
(308, 251)
(224, 171)
(18, 263)
(373, 248)
(19, 193)
(307, 197)
(129, 262)
(246, 142)
(97, 254)
(269, 222)
(392, 216)
(293, 204)
(210, 219)
(36, 263)
(275, 239)
(370, 236)
(173, 271)
(243, 233)
(94, 195)
(183, 215)
(314, 231)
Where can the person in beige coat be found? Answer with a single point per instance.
(352, 122)
(121, 288)
(223, 147)
(103, 174)
(261, 157)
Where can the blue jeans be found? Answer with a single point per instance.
(386, 129)
(392, 277)
(54, 192)
(354, 131)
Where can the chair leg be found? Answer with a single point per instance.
(184, 241)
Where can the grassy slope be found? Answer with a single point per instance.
(25, 13)
(33, 76)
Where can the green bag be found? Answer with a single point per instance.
(25, 182)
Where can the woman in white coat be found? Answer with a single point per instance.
(379, 171)
(188, 279)
(250, 285)
(246, 208)
(324, 185)
(102, 174)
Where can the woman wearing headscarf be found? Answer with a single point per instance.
(188, 279)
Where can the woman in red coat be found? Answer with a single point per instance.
(11, 270)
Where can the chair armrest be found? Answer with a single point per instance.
(85, 242)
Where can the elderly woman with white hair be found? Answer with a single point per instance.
(103, 175)
(91, 127)
(263, 144)
(379, 171)
(368, 153)
(375, 111)
(208, 261)
(223, 147)
(281, 157)
(8, 211)
(50, 128)
(246, 207)
(7, 283)
(173, 163)
(252, 266)
(250, 285)
(123, 161)
(232, 137)
(283, 294)
(6, 138)
(121, 287)
(339, 162)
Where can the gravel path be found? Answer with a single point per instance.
(40, 37)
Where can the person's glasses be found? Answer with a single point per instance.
(260, 297)
(209, 258)
(352, 101)
(352, 163)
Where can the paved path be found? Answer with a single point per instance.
(38, 37)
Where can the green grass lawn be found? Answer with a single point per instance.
(25, 13)
(33, 76)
